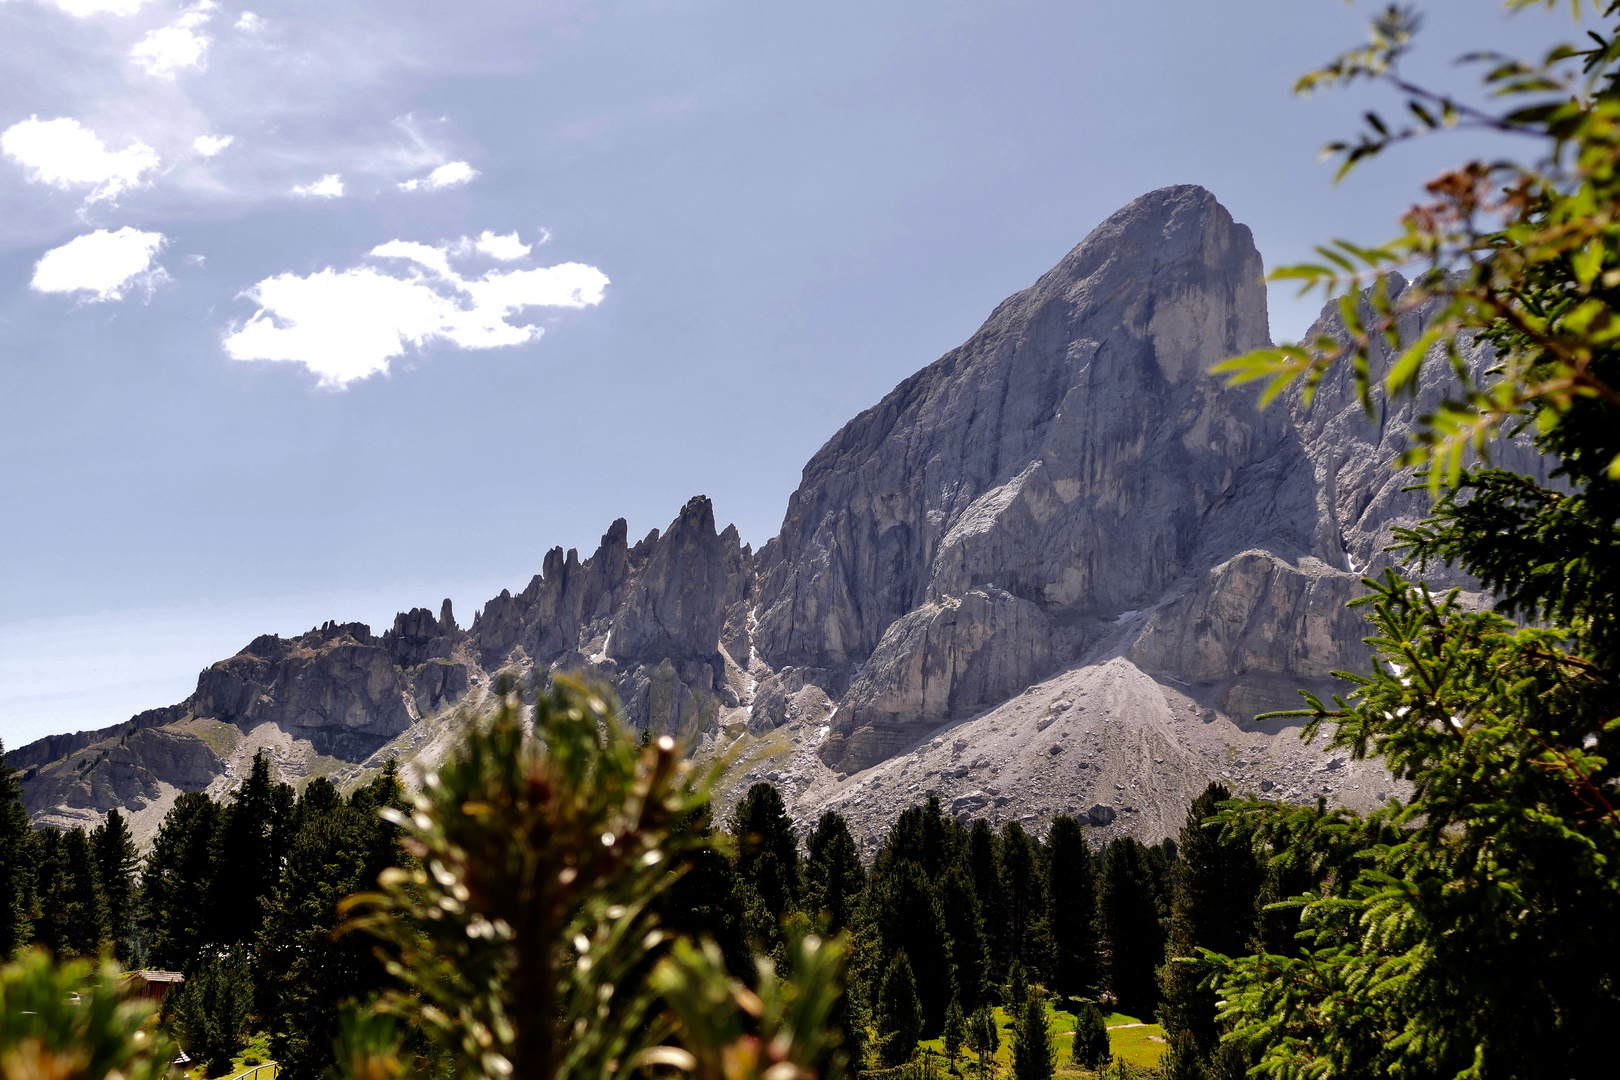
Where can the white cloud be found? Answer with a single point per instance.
(505, 248)
(103, 264)
(250, 22)
(64, 154)
(80, 9)
(456, 172)
(209, 145)
(164, 52)
(345, 325)
(329, 186)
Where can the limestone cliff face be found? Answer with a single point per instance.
(1071, 453)
(1060, 568)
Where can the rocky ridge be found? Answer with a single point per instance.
(1058, 570)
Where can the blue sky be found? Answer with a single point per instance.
(321, 310)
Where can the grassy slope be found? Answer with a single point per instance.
(1141, 1046)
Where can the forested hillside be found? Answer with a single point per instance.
(951, 920)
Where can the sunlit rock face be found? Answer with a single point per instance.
(1058, 570)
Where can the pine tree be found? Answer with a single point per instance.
(212, 1008)
(72, 910)
(1021, 883)
(176, 915)
(1214, 908)
(245, 862)
(985, 1039)
(704, 902)
(984, 864)
(955, 1032)
(767, 865)
(116, 864)
(1183, 1061)
(923, 835)
(899, 1013)
(1071, 910)
(1034, 1054)
(906, 917)
(964, 926)
(17, 865)
(833, 874)
(1017, 985)
(1091, 1049)
(1131, 928)
(304, 974)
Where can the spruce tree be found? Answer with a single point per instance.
(833, 874)
(1071, 911)
(955, 1032)
(1217, 885)
(245, 861)
(767, 865)
(17, 864)
(305, 974)
(964, 926)
(985, 1040)
(1091, 1049)
(984, 864)
(116, 864)
(72, 910)
(212, 1008)
(904, 910)
(899, 1013)
(704, 902)
(1021, 884)
(177, 914)
(1034, 1054)
(1131, 928)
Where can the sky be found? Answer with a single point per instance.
(325, 310)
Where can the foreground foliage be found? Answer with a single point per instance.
(74, 1022)
(1474, 931)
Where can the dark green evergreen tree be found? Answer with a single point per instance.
(116, 865)
(306, 975)
(704, 902)
(246, 867)
(72, 917)
(212, 1009)
(1021, 884)
(923, 835)
(1091, 1049)
(984, 864)
(905, 915)
(1071, 911)
(985, 1040)
(1217, 885)
(1034, 1054)
(767, 865)
(964, 926)
(17, 863)
(1183, 1061)
(955, 1033)
(177, 914)
(833, 874)
(1132, 934)
(899, 1013)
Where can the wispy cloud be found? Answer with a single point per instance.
(65, 154)
(168, 50)
(329, 186)
(345, 325)
(104, 265)
(250, 22)
(448, 175)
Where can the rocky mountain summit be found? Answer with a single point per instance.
(1058, 570)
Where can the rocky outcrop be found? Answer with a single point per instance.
(1059, 569)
